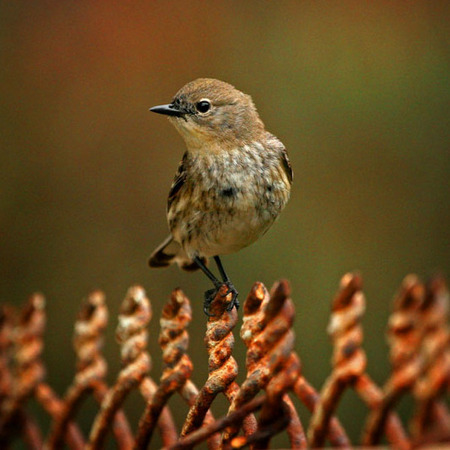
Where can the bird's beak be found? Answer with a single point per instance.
(168, 110)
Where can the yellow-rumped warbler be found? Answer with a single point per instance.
(232, 183)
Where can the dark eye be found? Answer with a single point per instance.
(203, 106)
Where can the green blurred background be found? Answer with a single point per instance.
(357, 91)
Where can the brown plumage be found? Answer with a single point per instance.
(231, 184)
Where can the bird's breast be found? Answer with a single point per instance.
(228, 200)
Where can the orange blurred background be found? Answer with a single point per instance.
(358, 92)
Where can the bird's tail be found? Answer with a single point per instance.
(170, 252)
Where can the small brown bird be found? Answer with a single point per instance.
(232, 183)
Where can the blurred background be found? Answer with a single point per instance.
(357, 91)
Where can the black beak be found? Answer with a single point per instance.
(168, 110)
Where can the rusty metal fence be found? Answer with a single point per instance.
(262, 405)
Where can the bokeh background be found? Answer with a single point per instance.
(358, 92)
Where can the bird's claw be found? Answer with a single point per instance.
(234, 299)
(210, 294)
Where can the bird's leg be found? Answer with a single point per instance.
(211, 293)
(234, 300)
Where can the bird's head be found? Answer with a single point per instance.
(211, 114)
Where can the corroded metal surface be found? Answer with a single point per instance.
(261, 406)
(405, 333)
(349, 366)
(131, 334)
(267, 333)
(222, 366)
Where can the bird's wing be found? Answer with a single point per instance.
(287, 165)
(178, 181)
(171, 251)
(274, 143)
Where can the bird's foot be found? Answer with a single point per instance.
(210, 295)
(234, 299)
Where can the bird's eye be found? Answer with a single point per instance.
(203, 106)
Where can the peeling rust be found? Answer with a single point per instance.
(349, 366)
(261, 406)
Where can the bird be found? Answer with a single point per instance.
(233, 180)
